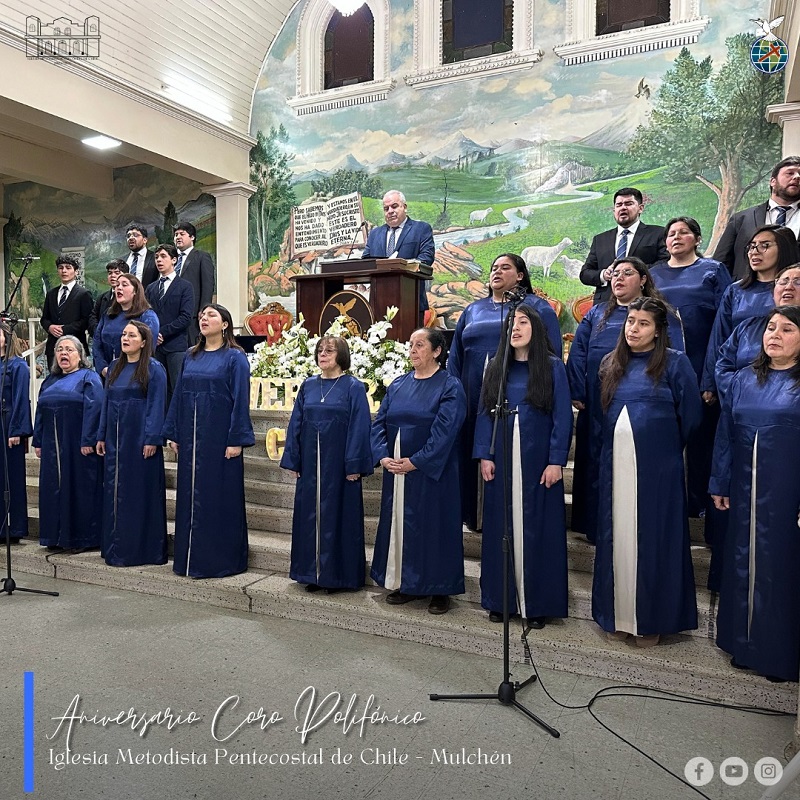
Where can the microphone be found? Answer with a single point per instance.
(516, 294)
(355, 236)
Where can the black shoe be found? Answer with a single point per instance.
(736, 665)
(400, 598)
(537, 623)
(312, 587)
(440, 604)
(775, 679)
(495, 616)
(337, 589)
(54, 548)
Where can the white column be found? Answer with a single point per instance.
(232, 218)
(787, 115)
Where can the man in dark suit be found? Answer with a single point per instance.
(780, 209)
(631, 237)
(66, 308)
(140, 260)
(196, 267)
(114, 269)
(402, 237)
(172, 298)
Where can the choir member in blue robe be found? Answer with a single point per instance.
(208, 424)
(744, 344)
(538, 435)
(475, 340)
(129, 303)
(17, 426)
(756, 449)
(64, 438)
(328, 451)
(129, 437)
(771, 250)
(597, 335)
(419, 548)
(643, 577)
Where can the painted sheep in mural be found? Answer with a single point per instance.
(572, 266)
(544, 257)
(479, 216)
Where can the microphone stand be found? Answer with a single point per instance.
(10, 320)
(355, 236)
(507, 691)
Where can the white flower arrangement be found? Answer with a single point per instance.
(374, 358)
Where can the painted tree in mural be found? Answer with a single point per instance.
(345, 181)
(164, 234)
(271, 205)
(711, 125)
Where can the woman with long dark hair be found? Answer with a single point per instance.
(419, 549)
(757, 443)
(643, 577)
(539, 434)
(128, 303)
(770, 251)
(328, 451)
(64, 438)
(477, 333)
(597, 335)
(129, 437)
(208, 425)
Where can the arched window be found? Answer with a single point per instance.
(350, 49)
(476, 28)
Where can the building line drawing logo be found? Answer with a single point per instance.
(62, 38)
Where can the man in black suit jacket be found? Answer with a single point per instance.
(66, 308)
(172, 298)
(140, 260)
(114, 269)
(412, 239)
(780, 209)
(631, 237)
(196, 267)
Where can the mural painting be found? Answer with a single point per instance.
(525, 162)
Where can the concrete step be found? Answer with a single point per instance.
(684, 664)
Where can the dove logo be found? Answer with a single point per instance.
(768, 53)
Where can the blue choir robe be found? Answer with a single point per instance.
(70, 484)
(737, 306)
(536, 514)
(643, 577)
(739, 351)
(754, 456)
(475, 342)
(419, 547)
(696, 293)
(594, 339)
(106, 342)
(327, 439)
(16, 422)
(134, 489)
(208, 413)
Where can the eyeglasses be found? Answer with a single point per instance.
(625, 273)
(328, 351)
(66, 350)
(762, 247)
(786, 281)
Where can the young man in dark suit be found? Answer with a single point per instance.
(631, 237)
(196, 267)
(172, 298)
(66, 308)
(782, 208)
(402, 237)
(141, 262)
(114, 269)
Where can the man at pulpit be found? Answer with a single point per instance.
(402, 237)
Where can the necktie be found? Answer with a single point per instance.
(162, 287)
(134, 263)
(780, 217)
(180, 263)
(390, 248)
(63, 297)
(622, 247)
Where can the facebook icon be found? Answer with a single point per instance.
(698, 771)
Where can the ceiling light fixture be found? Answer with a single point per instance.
(101, 142)
(346, 7)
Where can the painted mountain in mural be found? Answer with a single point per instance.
(456, 148)
(514, 145)
(393, 159)
(349, 162)
(616, 134)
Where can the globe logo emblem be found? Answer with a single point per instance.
(769, 56)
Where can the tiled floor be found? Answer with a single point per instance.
(119, 650)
